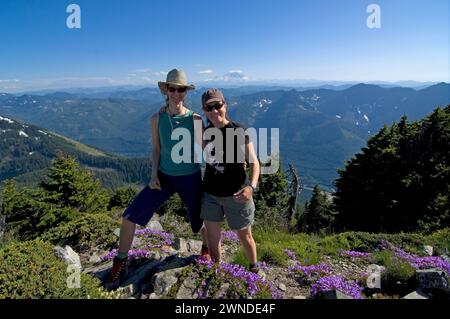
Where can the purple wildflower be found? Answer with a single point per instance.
(350, 288)
(355, 254)
(230, 236)
(416, 261)
(290, 254)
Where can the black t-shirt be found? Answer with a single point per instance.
(224, 177)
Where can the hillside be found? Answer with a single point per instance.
(26, 151)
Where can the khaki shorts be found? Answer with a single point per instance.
(217, 208)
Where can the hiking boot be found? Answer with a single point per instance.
(118, 272)
(256, 269)
(205, 252)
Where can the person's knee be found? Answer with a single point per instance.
(245, 236)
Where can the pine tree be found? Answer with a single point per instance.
(68, 185)
(318, 216)
(400, 181)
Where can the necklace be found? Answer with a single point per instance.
(171, 115)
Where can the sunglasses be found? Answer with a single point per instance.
(179, 90)
(216, 106)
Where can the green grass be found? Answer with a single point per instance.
(81, 147)
(310, 248)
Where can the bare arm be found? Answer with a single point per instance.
(247, 192)
(250, 157)
(156, 151)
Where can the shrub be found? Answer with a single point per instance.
(122, 197)
(87, 231)
(31, 270)
(399, 275)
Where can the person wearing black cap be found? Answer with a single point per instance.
(227, 192)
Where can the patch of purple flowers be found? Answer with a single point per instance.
(230, 236)
(355, 254)
(149, 240)
(290, 254)
(416, 261)
(349, 288)
(239, 275)
(309, 271)
(164, 237)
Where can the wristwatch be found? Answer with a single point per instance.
(254, 188)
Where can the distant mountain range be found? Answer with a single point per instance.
(320, 128)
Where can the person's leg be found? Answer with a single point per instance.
(127, 230)
(189, 187)
(214, 245)
(248, 244)
(140, 211)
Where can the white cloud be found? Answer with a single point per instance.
(206, 72)
(143, 70)
(147, 79)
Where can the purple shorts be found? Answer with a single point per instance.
(189, 187)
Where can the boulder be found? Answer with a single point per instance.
(68, 255)
(155, 225)
(418, 294)
(282, 287)
(95, 259)
(164, 280)
(180, 244)
(432, 279)
(188, 290)
(428, 250)
(194, 246)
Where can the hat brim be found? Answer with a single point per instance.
(163, 86)
(213, 100)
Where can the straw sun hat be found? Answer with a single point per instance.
(177, 78)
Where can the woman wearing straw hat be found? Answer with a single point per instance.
(168, 177)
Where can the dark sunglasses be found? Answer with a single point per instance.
(216, 106)
(179, 90)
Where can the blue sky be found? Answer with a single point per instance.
(137, 41)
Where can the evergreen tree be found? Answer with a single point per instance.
(68, 185)
(400, 181)
(318, 216)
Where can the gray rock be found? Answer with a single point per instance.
(194, 246)
(282, 287)
(155, 225)
(418, 294)
(222, 292)
(117, 232)
(95, 259)
(299, 297)
(68, 255)
(432, 278)
(187, 290)
(131, 291)
(180, 245)
(163, 281)
(428, 250)
(334, 294)
(153, 296)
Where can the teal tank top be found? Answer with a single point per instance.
(166, 125)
